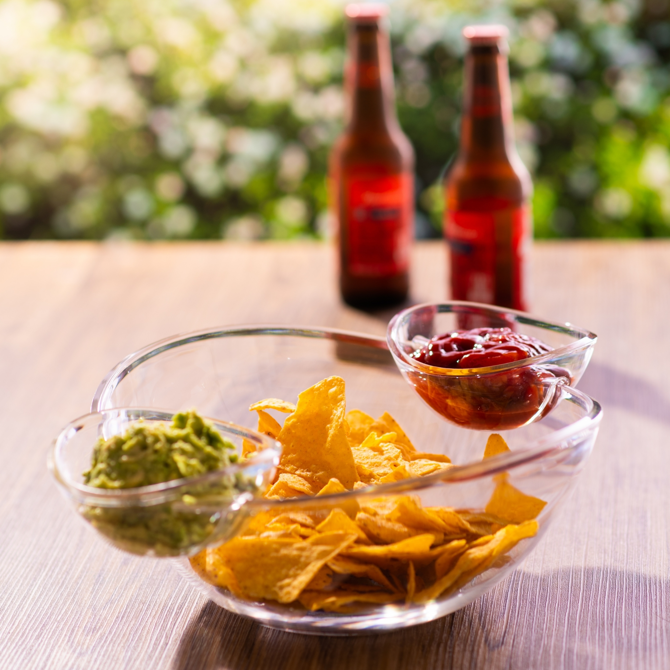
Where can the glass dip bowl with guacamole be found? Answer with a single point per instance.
(161, 484)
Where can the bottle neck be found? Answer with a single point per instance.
(369, 81)
(487, 131)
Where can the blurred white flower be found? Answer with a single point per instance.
(14, 198)
(45, 167)
(142, 59)
(223, 66)
(255, 145)
(204, 175)
(291, 210)
(417, 95)
(293, 164)
(582, 181)
(249, 227)
(170, 186)
(539, 26)
(95, 33)
(314, 67)
(275, 82)
(207, 134)
(615, 203)
(655, 167)
(422, 37)
(138, 204)
(179, 221)
(528, 53)
(177, 32)
(238, 171)
(329, 103)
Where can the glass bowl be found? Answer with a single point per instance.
(174, 518)
(222, 372)
(499, 397)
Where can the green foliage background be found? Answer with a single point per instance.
(213, 118)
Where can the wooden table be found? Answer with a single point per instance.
(595, 593)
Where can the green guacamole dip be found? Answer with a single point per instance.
(153, 453)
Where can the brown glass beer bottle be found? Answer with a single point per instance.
(487, 189)
(371, 171)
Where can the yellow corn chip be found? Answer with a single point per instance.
(268, 425)
(477, 559)
(273, 403)
(407, 550)
(279, 569)
(495, 445)
(448, 554)
(411, 582)
(390, 425)
(333, 486)
(511, 504)
(339, 522)
(382, 530)
(420, 467)
(359, 424)
(347, 566)
(314, 437)
(335, 601)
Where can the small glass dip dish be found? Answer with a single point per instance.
(174, 518)
(499, 397)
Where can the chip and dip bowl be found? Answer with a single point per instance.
(221, 372)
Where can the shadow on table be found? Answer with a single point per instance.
(578, 619)
(621, 389)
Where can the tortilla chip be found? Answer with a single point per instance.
(279, 569)
(339, 522)
(314, 438)
(511, 504)
(335, 601)
(273, 403)
(359, 424)
(347, 566)
(495, 445)
(477, 559)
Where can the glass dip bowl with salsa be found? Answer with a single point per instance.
(485, 367)
(177, 517)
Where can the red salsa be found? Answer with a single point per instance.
(494, 400)
(479, 348)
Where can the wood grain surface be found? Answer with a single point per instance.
(594, 594)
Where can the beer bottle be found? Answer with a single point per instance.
(371, 171)
(487, 190)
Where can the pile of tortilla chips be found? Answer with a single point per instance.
(346, 557)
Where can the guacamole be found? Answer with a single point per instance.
(150, 454)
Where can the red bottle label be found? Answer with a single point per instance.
(379, 216)
(489, 255)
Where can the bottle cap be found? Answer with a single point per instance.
(485, 34)
(368, 12)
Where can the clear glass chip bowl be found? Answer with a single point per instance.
(222, 372)
(498, 397)
(174, 518)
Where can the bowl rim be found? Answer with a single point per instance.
(162, 492)
(585, 338)
(126, 365)
(546, 446)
